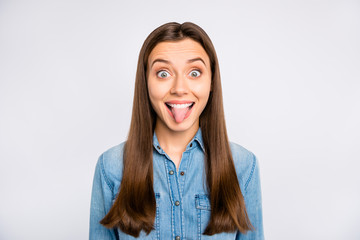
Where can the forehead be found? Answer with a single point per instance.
(186, 48)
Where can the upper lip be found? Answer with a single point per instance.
(179, 101)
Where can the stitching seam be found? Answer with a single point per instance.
(104, 174)
(251, 173)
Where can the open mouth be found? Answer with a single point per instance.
(179, 112)
(185, 105)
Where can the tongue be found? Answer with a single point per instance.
(179, 114)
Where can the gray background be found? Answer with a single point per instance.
(290, 75)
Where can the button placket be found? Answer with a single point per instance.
(176, 211)
(181, 177)
(182, 169)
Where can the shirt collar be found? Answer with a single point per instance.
(196, 139)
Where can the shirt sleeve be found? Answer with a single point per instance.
(101, 201)
(253, 203)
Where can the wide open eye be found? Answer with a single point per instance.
(195, 73)
(163, 74)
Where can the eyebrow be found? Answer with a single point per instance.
(168, 62)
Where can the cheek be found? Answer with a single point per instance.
(152, 93)
(202, 90)
(157, 92)
(153, 90)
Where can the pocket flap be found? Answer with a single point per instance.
(202, 202)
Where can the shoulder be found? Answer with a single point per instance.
(111, 164)
(245, 164)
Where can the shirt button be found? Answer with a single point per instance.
(177, 203)
(177, 238)
(190, 144)
(171, 172)
(158, 147)
(182, 173)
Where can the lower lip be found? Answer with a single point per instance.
(186, 116)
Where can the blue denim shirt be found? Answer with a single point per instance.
(182, 203)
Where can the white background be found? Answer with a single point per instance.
(291, 83)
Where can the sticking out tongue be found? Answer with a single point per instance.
(179, 113)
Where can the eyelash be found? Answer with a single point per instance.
(157, 73)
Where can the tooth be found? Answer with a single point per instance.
(180, 105)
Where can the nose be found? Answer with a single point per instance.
(180, 86)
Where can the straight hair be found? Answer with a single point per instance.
(135, 207)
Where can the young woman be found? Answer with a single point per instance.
(177, 176)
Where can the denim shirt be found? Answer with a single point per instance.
(182, 203)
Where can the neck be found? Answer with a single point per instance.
(174, 141)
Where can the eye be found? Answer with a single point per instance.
(195, 73)
(162, 74)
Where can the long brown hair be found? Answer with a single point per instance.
(135, 206)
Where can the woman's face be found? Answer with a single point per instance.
(179, 82)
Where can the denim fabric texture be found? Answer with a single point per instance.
(182, 203)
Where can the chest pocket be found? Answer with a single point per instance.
(202, 204)
(203, 211)
(154, 234)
